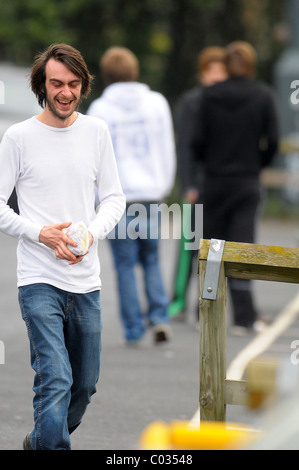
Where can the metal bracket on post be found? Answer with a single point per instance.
(213, 269)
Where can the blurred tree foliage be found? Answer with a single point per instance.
(166, 35)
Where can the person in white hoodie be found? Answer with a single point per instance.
(141, 128)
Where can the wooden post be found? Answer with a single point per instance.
(212, 326)
(241, 261)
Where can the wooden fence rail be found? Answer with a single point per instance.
(217, 261)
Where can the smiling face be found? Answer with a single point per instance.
(63, 94)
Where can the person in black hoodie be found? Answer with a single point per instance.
(211, 70)
(235, 136)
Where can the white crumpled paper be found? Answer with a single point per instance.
(79, 233)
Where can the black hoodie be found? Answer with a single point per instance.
(236, 129)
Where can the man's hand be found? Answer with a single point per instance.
(54, 237)
(191, 195)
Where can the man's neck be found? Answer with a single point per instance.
(48, 118)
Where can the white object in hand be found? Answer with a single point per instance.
(79, 233)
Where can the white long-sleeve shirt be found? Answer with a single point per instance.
(55, 172)
(141, 128)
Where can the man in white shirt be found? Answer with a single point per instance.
(141, 128)
(57, 161)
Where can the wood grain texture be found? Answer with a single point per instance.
(260, 262)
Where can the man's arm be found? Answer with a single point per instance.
(111, 200)
(11, 223)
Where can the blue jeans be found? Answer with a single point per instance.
(64, 331)
(127, 253)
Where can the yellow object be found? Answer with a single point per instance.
(208, 436)
(156, 436)
(261, 381)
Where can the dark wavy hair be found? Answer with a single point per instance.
(70, 57)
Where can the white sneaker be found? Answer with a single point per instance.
(259, 326)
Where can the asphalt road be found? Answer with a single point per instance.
(137, 385)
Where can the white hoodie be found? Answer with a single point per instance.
(141, 128)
